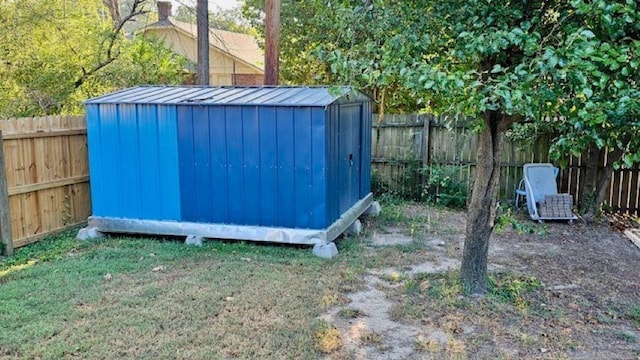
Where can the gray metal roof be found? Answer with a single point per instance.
(265, 96)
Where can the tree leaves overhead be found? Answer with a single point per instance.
(574, 61)
(54, 54)
(327, 42)
(566, 67)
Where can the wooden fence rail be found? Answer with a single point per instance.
(404, 144)
(46, 176)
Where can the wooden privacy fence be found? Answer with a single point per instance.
(45, 177)
(402, 145)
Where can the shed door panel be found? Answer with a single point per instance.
(349, 145)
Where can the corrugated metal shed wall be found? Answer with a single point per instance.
(349, 155)
(253, 165)
(233, 156)
(133, 159)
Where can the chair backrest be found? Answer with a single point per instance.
(542, 179)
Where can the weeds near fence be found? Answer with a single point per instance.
(407, 185)
(436, 184)
(445, 186)
(507, 218)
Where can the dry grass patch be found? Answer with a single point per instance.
(327, 336)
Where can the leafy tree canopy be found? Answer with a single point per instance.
(54, 54)
(516, 66)
(316, 35)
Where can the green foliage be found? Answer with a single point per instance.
(50, 248)
(445, 186)
(350, 313)
(634, 314)
(328, 43)
(444, 287)
(506, 217)
(55, 55)
(567, 66)
(406, 185)
(512, 289)
(570, 66)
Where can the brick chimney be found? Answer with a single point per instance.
(164, 10)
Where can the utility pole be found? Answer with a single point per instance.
(202, 11)
(272, 45)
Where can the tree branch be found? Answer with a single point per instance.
(136, 10)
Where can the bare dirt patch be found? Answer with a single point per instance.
(559, 291)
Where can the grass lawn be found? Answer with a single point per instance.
(150, 298)
(565, 294)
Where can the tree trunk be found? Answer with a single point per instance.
(594, 187)
(587, 191)
(482, 207)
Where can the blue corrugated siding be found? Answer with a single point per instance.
(149, 158)
(133, 161)
(302, 163)
(319, 169)
(355, 114)
(109, 129)
(219, 174)
(203, 196)
(285, 166)
(98, 177)
(344, 171)
(345, 154)
(253, 165)
(235, 168)
(186, 163)
(286, 170)
(268, 166)
(168, 170)
(129, 161)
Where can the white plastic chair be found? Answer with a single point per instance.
(538, 185)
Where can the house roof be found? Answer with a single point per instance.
(242, 47)
(224, 95)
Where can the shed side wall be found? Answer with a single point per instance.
(253, 165)
(333, 156)
(132, 159)
(348, 147)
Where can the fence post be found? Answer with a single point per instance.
(5, 218)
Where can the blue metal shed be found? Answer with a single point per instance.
(282, 164)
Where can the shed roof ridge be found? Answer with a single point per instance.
(233, 95)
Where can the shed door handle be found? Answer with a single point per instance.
(351, 159)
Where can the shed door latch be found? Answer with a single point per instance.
(350, 159)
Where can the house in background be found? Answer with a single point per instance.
(234, 58)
